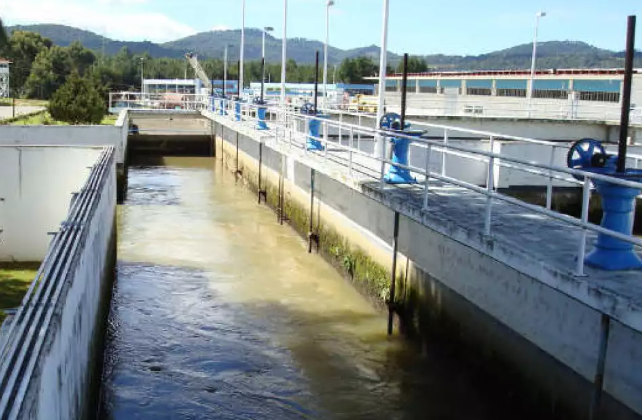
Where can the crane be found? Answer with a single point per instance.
(200, 73)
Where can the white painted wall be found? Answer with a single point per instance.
(68, 135)
(36, 186)
(61, 378)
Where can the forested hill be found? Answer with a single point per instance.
(553, 54)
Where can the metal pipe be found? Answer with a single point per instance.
(242, 55)
(533, 58)
(284, 50)
(626, 94)
(260, 166)
(316, 81)
(403, 91)
(325, 52)
(224, 71)
(380, 147)
(238, 80)
(598, 382)
(393, 279)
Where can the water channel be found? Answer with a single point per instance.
(219, 313)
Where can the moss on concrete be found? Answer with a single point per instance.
(15, 279)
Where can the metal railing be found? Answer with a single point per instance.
(286, 129)
(150, 101)
(30, 327)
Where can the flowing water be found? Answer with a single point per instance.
(219, 313)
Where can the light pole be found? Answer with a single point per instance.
(325, 50)
(265, 29)
(379, 149)
(283, 52)
(224, 71)
(142, 77)
(242, 47)
(538, 16)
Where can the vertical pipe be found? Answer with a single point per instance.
(598, 382)
(224, 71)
(242, 55)
(626, 93)
(490, 186)
(316, 81)
(310, 234)
(549, 184)
(260, 167)
(238, 81)
(380, 147)
(237, 153)
(393, 279)
(586, 197)
(403, 91)
(284, 50)
(427, 181)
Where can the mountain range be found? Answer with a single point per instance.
(552, 54)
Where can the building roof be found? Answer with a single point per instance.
(516, 72)
(5, 60)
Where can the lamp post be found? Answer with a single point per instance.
(283, 52)
(379, 149)
(224, 70)
(538, 16)
(142, 77)
(325, 50)
(242, 47)
(265, 30)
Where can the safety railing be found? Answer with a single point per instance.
(169, 101)
(289, 128)
(31, 326)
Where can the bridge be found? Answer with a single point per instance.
(479, 247)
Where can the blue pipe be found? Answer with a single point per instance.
(260, 115)
(237, 110)
(395, 174)
(313, 134)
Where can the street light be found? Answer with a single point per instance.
(242, 47)
(325, 50)
(538, 16)
(379, 143)
(265, 30)
(283, 52)
(142, 61)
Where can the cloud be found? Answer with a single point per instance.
(221, 28)
(100, 16)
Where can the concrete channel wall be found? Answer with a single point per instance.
(492, 301)
(52, 375)
(35, 193)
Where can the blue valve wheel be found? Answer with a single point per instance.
(308, 109)
(582, 152)
(390, 121)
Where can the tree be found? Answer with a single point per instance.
(3, 37)
(81, 57)
(415, 65)
(22, 49)
(48, 72)
(354, 70)
(77, 102)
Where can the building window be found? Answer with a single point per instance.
(599, 96)
(391, 88)
(513, 93)
(428, 89)
(479, 91)
(550, 94)
(473, 109)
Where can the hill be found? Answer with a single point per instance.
(553, 54)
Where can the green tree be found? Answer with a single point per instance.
(3, 37)
(81, 57)
(354, 70)
(415, 65)
(77, 102)
(48, 72)
(22, 49)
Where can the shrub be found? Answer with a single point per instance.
(77, 102)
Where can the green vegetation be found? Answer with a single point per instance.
(77, 102)
(44, 118)
(15, 279)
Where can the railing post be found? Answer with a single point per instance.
(490, 186)
(443, 154)
(359, 134)
(427, 181)
(325, 139)
(549, 185)
(350, 148)
(581, 253)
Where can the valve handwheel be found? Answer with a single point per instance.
(390, 121)
(308, 109)
(583, 154)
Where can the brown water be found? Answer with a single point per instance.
(220, 313)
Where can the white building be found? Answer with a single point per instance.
(4, 78)
(557, 94)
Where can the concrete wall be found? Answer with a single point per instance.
(65, 135)
(545, 336)
(36, 191)
(61, 389)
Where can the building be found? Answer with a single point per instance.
(337, 93)
(556, 93)
(4, 78)
(186, 86)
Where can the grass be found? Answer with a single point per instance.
(15, 279)
(23, 102)
(46, 119)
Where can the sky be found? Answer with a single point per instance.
(416, 26)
